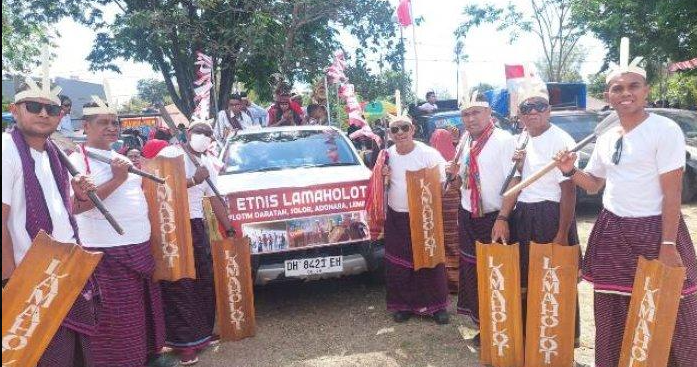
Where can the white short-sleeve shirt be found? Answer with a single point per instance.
(421, 157)
(495, 162)
(127, 203)
(652, 148)
(13, 195)
(198, 192)
(538, 153)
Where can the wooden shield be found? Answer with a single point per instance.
(233, 288)
(500, 314)
(652, 313)
(39, 295)
(551, 311)
(425, 217)
(168, 206)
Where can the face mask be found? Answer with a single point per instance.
(200, 142)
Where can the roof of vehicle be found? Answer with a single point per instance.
(572, 112)
(289, 128)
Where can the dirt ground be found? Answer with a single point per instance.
(343, 322)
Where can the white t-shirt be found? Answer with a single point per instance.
(539, 152)
(13, 195)
(632, 187)
(223, 123)
(127, 203)
(428, 107)
(421, 157)
(495, 163)
(198, 192)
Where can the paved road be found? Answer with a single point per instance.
(343, 322)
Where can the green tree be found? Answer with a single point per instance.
(596, 85)
(659, 29)
(248, 39)
(373, 85)
(22, 36)
(551, 21)
(134, 105)
(679, 89)
(152, 91)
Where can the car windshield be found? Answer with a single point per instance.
(578, 126)
(278, 150)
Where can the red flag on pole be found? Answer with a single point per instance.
(404, 13)
(514, 71)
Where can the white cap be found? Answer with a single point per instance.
(469, 101)
(103, 107)
(533, 87)
(625, 66)
(45, 90)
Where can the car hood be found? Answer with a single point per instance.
(295, 177)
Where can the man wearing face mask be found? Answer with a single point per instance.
(189, 304)
(409, 292)
(125, 272)
(483, 166)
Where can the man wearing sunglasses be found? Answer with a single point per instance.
(483, 166)
(125, 272)
(640, 165)
(423, 292)
(189, 304)
(36, 196)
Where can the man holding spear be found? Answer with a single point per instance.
(640, 164)
(484, 161)
(36, 196)
(126, 270)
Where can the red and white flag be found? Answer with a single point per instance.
(203, 85)
(404, 13)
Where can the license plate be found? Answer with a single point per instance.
(317, 265)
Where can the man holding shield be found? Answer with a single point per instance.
(640, 165)
(423, 292)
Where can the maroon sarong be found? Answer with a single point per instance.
(131, 323)
(422, 292)
(471, 230)
(539, 223)
(189, 304)
(68, 348)
(614, 247)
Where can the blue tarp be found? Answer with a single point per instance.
(572, 95)
(498, 100)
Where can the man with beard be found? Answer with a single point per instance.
(640, 164)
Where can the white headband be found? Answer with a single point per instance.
(469, 101)
(45, 91)
(625, 66)
(103, 107)
(533, 87)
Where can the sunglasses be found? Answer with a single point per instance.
(36, 107)
(404, 128)
(617, 154)
(526, 108)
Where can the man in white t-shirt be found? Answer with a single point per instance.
(36, 196)
(640, 164)
(423, 292)
(127, 267)
(235, 117)
(189, 304)
(430, 105)
(484, 165)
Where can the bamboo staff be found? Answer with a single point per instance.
(517, 164)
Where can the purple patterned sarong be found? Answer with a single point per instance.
(189, 304)
(423, 292)
(131, 321)
(471, 231)
(614, 247)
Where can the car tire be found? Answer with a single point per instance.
(689, 185)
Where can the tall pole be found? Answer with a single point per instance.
(404, 53)
(326, 97)
(416, 57)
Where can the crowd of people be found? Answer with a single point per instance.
(130, 320)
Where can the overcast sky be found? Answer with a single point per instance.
(488, 51)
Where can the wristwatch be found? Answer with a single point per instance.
(570, 173)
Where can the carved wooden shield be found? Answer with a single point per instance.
(500, 314)
(39, 295)
(551, 311)
(168, 208)
(652, 314)
(234, 290)
(425, 217)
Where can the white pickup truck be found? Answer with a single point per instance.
(299, 194)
